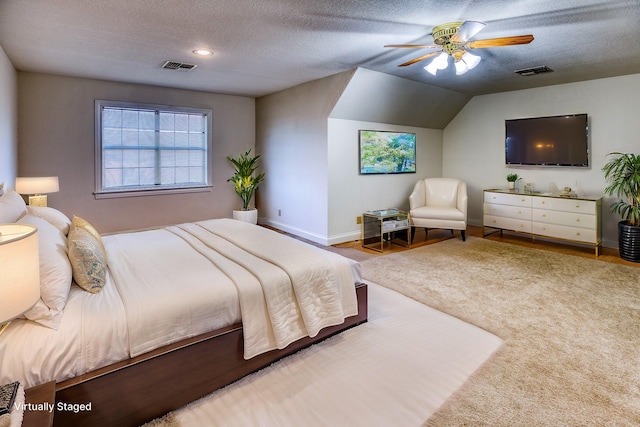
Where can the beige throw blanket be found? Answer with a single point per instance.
(185, 280)
(287, 289)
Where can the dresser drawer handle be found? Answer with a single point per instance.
(523, 200)
(577, 233)
(544, 215)
(577, 219)
(577, 206)
(542, 202)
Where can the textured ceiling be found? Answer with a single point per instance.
(263, 46)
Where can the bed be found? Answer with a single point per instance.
(157, 318)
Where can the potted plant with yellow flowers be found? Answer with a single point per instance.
(245, 184)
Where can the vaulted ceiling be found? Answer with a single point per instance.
(263, 46)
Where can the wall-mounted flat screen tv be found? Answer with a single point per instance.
(548, 141)
(383, 152)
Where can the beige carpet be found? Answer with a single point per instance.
(571, 326)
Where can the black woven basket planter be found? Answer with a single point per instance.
(629, 241)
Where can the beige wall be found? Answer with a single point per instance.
(474, 141)
(351, 194)
(8, 121)
(292, 139)
(56, 137)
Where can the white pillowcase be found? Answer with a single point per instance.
(12, 207)
(55, 273)
(52, 216)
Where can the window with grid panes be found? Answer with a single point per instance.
(143, 148)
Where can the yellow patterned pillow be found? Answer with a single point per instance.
(88, 260)
(82, 223)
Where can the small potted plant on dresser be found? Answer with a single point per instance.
(623, 174)
(511, 179)
(246, 184)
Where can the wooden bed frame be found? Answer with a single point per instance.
(138, 390)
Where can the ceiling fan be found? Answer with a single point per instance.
(453, 39)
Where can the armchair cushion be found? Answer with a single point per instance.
(438, 212)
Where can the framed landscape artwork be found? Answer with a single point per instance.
(383, 152)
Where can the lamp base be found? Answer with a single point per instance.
(38, 200)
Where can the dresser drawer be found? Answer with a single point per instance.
(507, 199)
(523, 226)
(564, 218)
(565, 232)
(566, 205)
(507, 211)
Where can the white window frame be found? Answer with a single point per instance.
(101, 193)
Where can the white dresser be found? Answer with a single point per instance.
(571, 219)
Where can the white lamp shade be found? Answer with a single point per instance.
(471, 60)
(461, 67)
(432, 68)
(442, 61)
(37, 185)
(19, 270)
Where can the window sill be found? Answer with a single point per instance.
(150, 192)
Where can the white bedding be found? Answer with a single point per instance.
(92, 334)
(160, 290)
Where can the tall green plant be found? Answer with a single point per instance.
(243, 179)
(623, 174)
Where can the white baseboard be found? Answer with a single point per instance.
(314, 237)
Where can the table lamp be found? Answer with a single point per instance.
(35, 187)
(19, 271)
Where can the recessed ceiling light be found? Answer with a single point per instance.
(203, 52)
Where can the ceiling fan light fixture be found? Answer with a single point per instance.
(471, 60)
(442, 61)
(461, 67)
(432, 68)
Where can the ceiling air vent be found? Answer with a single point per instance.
(178, 66)
(534, 70)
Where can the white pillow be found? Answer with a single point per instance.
(55, 273)
(12, 207)
(52, 216)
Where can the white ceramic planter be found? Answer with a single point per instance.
(250, 216)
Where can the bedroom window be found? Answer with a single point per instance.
(144, 148)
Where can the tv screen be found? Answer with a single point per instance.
(548, 141)
(383, 152)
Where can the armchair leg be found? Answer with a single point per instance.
(462, 232)
(413, 233)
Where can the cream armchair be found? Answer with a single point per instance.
(439, 203)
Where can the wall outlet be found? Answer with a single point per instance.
(358, 220)
(279, 212)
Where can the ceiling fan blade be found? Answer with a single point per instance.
(420, 58)
(413, 46)
(501, 41)
(467, 30)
